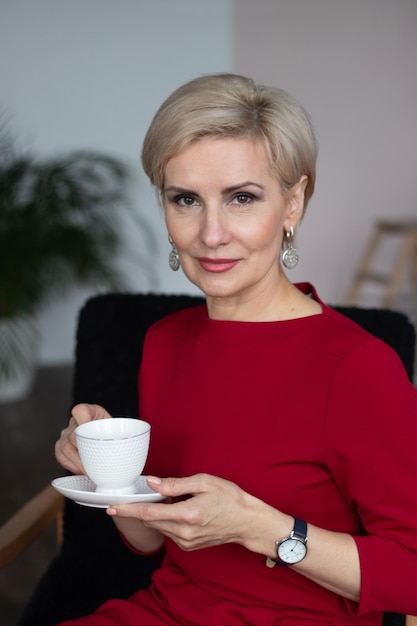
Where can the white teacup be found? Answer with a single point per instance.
(113, 452)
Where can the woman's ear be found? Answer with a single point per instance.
(295, 208)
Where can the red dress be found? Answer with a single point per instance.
(315, 417)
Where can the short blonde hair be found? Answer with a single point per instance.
(229, 105)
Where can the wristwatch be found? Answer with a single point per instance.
(292, 549)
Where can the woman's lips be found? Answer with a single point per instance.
(217, 265)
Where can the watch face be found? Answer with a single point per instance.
(292, 550)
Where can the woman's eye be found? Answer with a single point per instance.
(184, 201)
(243, 198)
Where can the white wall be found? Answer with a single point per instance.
(90, 74)
(353, 64)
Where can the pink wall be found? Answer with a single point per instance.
(353, 66)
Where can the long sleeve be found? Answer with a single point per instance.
(371, 450)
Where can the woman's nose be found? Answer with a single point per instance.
(214, 228)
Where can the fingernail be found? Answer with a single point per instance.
(154, 480)
(111, 511)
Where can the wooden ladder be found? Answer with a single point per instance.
(406, 260)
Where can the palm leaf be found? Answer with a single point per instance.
(60, 222)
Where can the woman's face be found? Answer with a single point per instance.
(225, 213)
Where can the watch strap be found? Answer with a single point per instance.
(300, 529)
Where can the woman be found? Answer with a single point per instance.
(282, 433)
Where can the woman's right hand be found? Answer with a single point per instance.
(66, 451)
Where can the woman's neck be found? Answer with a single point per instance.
(286, 302)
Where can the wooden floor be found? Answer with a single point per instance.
(29, 429)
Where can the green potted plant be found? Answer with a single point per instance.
(59, 227)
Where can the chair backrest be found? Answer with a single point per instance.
(393, 327)
(110, 336)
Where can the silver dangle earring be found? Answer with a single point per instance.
(174, 259)
(290, 256)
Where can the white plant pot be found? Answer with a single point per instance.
(19, 340)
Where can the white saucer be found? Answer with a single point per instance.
(83, 491)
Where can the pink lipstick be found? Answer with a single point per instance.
(217, 266)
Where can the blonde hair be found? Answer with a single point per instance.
(229, 105)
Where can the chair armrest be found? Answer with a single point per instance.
(18, 532)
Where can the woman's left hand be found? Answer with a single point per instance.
(214, 511)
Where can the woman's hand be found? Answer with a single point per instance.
(66, 452)
(215, 511)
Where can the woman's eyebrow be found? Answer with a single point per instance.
(247, 183)
(226, 190)
(177, 189)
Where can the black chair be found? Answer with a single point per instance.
(110, 335)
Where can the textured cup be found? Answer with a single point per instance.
(113, 452)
